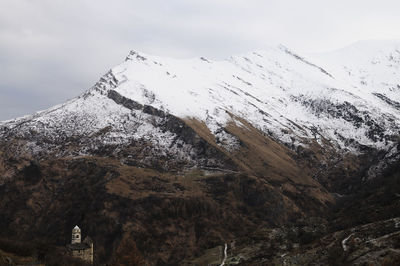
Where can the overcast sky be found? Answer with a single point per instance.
(53, 50)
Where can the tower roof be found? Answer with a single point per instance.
(76, 227)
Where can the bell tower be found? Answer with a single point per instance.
(76, 235)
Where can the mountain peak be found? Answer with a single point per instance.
(134, 55)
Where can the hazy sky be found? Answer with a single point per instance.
(53, 50)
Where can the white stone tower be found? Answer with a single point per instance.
(76, 235)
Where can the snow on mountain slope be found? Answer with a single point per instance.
(276, 90)
(350, 97)
(369, 67)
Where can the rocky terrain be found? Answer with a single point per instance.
(280, 156)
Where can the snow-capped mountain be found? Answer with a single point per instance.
(349, 97)
(181, 156)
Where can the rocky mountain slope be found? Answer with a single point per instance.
(183, 155)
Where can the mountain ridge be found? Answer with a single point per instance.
(195, 99)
